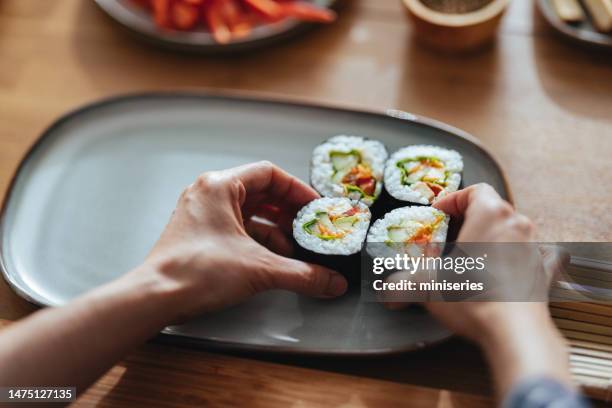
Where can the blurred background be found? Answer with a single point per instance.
(537, 101)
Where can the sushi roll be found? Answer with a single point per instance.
(420, 174)
(415, 232)
(332, 226)
(407, 230)
(349, 166)
(331, 232)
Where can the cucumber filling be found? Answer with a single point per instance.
(328, 227)
(426, 174)
(353, 173)
(413, 231)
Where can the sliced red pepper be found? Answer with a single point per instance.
(185, 16)
(229, 18)
(142, 3)
(161, 13)
(352, 211)
(435, 188)
(308, 12)
(268, 8)
(230, 10)
(364, 180)
(217, 25)
(242, 29)
(368, 186)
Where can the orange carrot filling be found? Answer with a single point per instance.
(435, 188)
(332, 226)
(424, 234)
(361, 176)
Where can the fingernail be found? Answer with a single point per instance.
(337, 286)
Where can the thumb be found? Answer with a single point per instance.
(269, 235)
(304, 278)
(555, 259)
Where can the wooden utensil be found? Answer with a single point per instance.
(568, 10)
(582, 32)
(601, 13)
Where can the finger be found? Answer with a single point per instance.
(250, 207)
(270, 236)
(524, 226)
(393, 299)
(283, 217)
(270, 212)
(555, 260)
(273, 213)
(265, 177)
(304, 278)
(456, 204)
(260, 206)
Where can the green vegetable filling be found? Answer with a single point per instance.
(348, 188)
(401, 165)
(345, 160)
(352, 173)
(330, 228)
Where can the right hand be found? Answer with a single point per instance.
(519, 338)
(488, 218)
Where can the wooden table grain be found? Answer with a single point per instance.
(542, 106)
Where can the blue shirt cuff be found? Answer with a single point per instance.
(541, 392)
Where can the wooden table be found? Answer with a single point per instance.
(540, 105)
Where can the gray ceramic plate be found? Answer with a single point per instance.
(140, 23)
(583, 32)
(93, 194)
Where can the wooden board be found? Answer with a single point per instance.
(186, 378)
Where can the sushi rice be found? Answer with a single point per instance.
(421, 174)
(332, 226)
(407, 228)
(349, 166)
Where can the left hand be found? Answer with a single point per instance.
(213, 253)
(205, 259)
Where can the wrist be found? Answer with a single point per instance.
(524, 344)
(155, 291)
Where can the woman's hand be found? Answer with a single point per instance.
(227, 240)
(206, 259)
(519, 338)
(486, 217)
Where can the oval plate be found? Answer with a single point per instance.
(94, 193)
(139, 22)
(583, 32)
